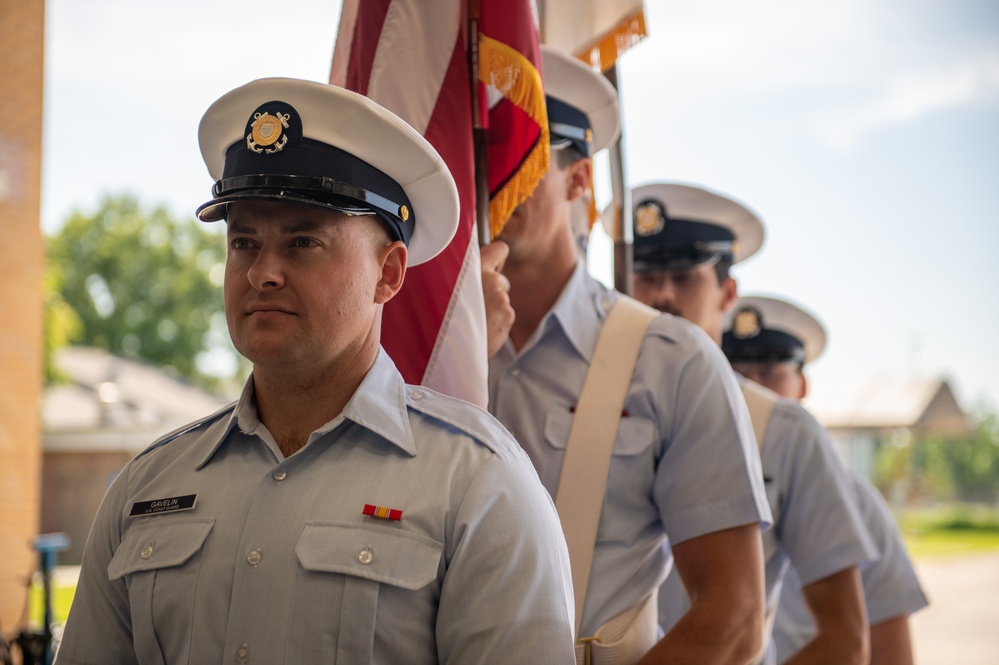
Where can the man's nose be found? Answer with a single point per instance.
(267, 270)
(665, 295)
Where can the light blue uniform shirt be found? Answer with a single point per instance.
(891, 588)
(685, 461)
(277, 563)
(817, 525)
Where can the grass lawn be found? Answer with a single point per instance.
(942, 543)
(953, 530)
(62, 598)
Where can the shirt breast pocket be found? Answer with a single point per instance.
(160, 563)
(628, 504)
(358, 572)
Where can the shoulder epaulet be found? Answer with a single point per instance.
(474, 422)
(760, 402)
(207, 421)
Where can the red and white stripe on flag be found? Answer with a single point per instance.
(410, 57)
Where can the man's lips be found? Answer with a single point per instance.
(266, 310)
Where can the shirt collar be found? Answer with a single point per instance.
(581, 308)
(378, 404)
(218, 431)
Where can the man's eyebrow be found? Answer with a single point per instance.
(243, 229)
(300, 226)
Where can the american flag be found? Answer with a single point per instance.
(411, 56)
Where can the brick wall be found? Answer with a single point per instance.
(73, 487)
(22, 29)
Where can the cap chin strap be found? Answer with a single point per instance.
(365, 199)
(659, 263)
(766, 356)
(560, 131)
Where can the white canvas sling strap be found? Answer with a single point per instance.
(583, 479)
(760, 401)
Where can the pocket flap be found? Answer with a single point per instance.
(633, 434)
(396, 557)
(155, 545)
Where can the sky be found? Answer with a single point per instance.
(864, 134)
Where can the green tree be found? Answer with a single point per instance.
(963, 468)
(62, 325)
(143, 285)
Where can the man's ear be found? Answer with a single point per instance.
(580, 177)
(393, 271)
(730, 294)
(804, 386)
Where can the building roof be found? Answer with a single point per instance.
(920, 403)
(112, 403)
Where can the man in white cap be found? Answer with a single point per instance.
(332, 513)
(770, 340)
(686, 240)
(683, 462)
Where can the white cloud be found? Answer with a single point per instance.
(730, 47)
(911, 95)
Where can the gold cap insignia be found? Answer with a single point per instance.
(746, 324)
(589, 135)
(648, 219)
(268, 130)
(404, 213)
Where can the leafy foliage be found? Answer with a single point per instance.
(967, 468)
(62, 325)
(142, 285)
(962, 468)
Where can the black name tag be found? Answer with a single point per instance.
(158, 506)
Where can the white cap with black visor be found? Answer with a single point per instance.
(680, 226)
(582, 104)
(766, 330)
(320, 145)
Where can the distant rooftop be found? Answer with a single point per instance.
(925, 404)
(112, 403)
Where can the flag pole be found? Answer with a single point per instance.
(621, 204)
(479, 132)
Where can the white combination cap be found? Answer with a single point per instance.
(761, 329)
(679, 226)
(318, 144)
(582, 103)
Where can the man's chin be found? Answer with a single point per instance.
(669, 310)
(264, 353)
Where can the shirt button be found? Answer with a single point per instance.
(243, 654)
(280, 475)
(253, 558)
(365, 556)
(415, 395)
(515, 371)
(147, 551)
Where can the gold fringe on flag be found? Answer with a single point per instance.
(602, 53)
(594, 213)
(507, 70)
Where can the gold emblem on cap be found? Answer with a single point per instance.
(589, 135)
(648, 220)
(404, 213)
(746, 324)
(268, 130)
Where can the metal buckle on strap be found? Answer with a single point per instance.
(587, 643)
